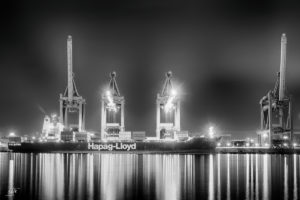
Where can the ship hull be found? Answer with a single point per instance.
(197, 145)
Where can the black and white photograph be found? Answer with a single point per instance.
(150, 100)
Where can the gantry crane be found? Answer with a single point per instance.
(70, 100)
(167, 110)
(276, 109)
(112, 111)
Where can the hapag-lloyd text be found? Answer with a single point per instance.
(112, 146)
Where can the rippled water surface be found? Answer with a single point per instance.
(130, 176)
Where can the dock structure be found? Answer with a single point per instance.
(112, 110)
(276, 109)
(70, 101)
(167, 109)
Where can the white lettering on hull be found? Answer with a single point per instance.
(112, 147)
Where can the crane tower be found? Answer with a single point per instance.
(70, 101)
(167, 110)
(112, 111)
(276, 109)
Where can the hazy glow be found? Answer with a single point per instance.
(12, 134)
(169, 105)
(111, 104)
(211, 132)
(174, 92)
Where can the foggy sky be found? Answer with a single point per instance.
(224, 57)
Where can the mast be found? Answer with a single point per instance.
(282, 67)
(70, 68)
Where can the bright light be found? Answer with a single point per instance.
(228, 144)
(111, 104)
(265, 135)
(169, 105)
(256, 144)
(92, 134)
(211, 132)
(285, 137)
(33, 137)
(218, 144)
(12, 134)
(251, 140)
(294, 144)
(247, 144)
(174, 92)
(285, 144)
(266, 144)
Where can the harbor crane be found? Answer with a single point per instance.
(112, 110)
(70, 101)
(276, 109)
(167, 110)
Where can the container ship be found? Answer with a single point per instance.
(66, 132)
(193, 145)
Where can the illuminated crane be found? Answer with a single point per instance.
(71, 102)
(167, 110)
(276, 109)
(112, 110)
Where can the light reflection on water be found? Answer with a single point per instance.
(132, 176)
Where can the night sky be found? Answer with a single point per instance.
(224, 57)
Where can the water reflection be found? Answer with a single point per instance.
(219, 177)
(285, 177)
(11, 188)
(132, 176)
(265, 177)
(256, 178)
(228, 176)
(211, 189)
(295, 189)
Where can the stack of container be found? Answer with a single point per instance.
(139, 135)
(125, 135)
(182, 135)
(82, 137)
(67, 136)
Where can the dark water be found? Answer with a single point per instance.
(130, 176)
